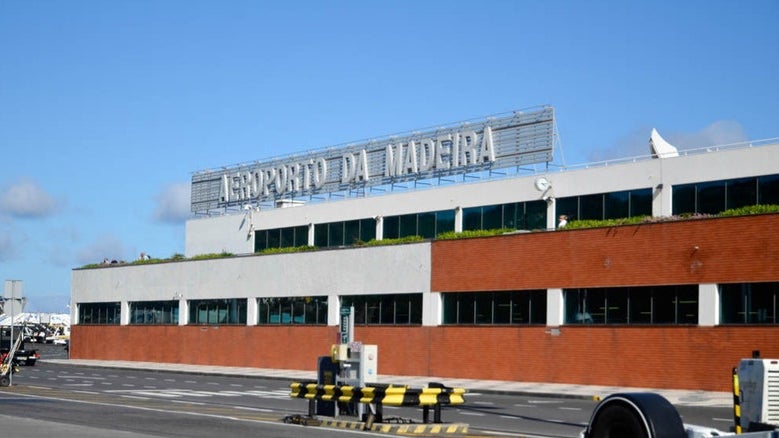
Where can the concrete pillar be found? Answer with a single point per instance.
(124, 313)
(183, 311)
(251, 311)
(555, 308)
(458, 219)
(379, 227)
(431, 305)
(708, 305)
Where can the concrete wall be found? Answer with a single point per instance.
(374, 270)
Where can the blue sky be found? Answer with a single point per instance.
(107, 107)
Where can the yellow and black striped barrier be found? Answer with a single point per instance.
(386, 395)
(736, 403)
(434, 396)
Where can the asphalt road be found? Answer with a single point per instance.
(150, 403)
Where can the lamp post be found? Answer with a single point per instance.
(13, 290)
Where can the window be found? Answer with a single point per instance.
(99, 313)
(494, 308)
(427, 224)
(601, 206)
(768, 189)
(281, 238)
(518, 216)
(632, 305)
(716, 196)
(154, 312)
(346, 233)
(218, 311)
(292, 310)
(395, 309)
(749, 303)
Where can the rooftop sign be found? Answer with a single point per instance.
(520, 138)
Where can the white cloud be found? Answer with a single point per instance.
(173, 204)
(636, 143)
(27, 199)
(105, 247)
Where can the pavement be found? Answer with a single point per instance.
(589, 392)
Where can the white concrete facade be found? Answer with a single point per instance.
(232, 232)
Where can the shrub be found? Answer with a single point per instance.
(288, 249)
(399, 241)
(473, 233)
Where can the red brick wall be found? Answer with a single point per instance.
(654, 357)
(729, 250)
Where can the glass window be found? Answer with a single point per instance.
(640, 307)
(444, 221)
(517, 307)
(492, 217)
(641, 202)
(395, 309)
(408, 225)
(99, 313)
(320, 235)
(687, 305)
(617, 205)
(632, 305)
(741, 192)
(569, 207)
(711, 197)
(392, 227)
(301, 235)
(427, 223)
(287, 238)
(535, 215)
(483, 307)
(260, 240)
(472, 218)
(537, 306)
(683, 199)
(367, 230)
(154, 312)
(335, 234)
(352, 232)
(749, 303)
(590, 207)
(218, 311)
(504, 309)
(509, 219)
(617, 306)
(274, 238)
(768, 189)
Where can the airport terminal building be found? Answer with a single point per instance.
(276, 248)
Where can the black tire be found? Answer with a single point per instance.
(639, 414)
(29, 362)
(617, 420)
(5, 380)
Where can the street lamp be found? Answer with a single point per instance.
(13, 290)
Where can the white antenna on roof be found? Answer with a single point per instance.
(659, 148)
